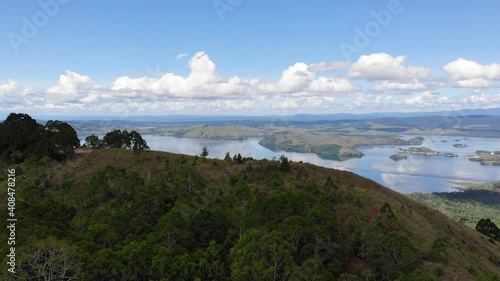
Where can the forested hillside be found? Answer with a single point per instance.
(116, 211)
(112, 214)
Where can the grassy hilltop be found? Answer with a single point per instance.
(112, 214)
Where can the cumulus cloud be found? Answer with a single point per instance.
(470, 74)
(12, 94)
(482, 99)
(203, 82)
(300, 88)
(382, 66)
(73, 87)
(299, 79)
(9, 93)
(296, 78)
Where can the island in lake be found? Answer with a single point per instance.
(486, 158)
(398, 157)
(425, 151)
(327, 145)
(460, 145)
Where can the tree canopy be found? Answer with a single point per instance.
(121, 139)
(21, 137)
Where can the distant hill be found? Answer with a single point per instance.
(112, 214)
(270, 118)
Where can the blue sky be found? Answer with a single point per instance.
(247, 57)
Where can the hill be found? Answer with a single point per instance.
(112, 214)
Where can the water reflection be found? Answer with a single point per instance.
(416, 174)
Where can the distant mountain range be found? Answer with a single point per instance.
(289, 118)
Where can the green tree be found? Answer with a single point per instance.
(311, 270)
(117, 139)
(173, 230)
(261, 255)
(212, 265)
(62, 139)
(92, 141)
(285, 164)
(238, 159)
(488, 228)
(204, 152)
(21, 133)
(104, 265)
(137, 255)
(228, 157)
(137, 142)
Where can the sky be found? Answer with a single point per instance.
(242, 57)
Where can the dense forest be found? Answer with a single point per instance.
(111, 213)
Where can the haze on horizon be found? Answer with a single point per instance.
(126, 58)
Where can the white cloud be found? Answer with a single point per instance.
(296, 78)
(382, 66)
(470, 74)
(481, 99)
(73, 87)
(332, 85)
(300, 89)
(181, 56)
(10, 87)
(426, 98)
(12, 95)
(202, 82)
(9, 93)
(287, 103)
(328, 66)
(399, 86)
(300, 80)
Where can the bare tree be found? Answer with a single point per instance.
(50, 259)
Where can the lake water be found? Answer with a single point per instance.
(418, 173)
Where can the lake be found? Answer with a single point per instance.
(418, 173)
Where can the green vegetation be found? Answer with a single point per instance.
(425, 151)
(106, 215)
(398, 157)
(118, 139)
(487, 158)
(328, 145)
(22, 138)
(419, 150)
(488, 228)
(230, 132)
(473, 203)
(204, 153)
(114, 214)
